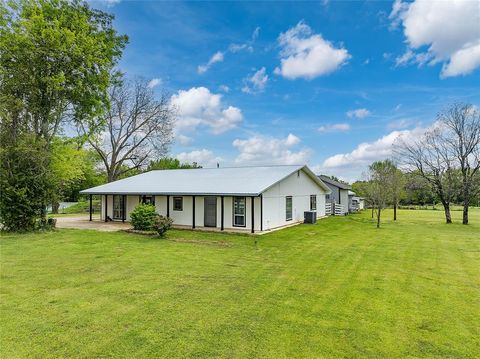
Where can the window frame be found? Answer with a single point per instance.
(181, 203)
(313, 197)
(286, 208)
(143, 199)
(244, 215)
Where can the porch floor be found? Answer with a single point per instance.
(82, 222)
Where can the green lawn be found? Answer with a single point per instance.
(340, 288)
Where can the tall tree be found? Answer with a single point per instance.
(431, 159)
(380, 178)
(461, 136)
(56, 61)
(139, 127)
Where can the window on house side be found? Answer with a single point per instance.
(288, 206)
(178, 203)
(313, 202)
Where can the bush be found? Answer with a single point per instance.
(162, 225)
(143, 217)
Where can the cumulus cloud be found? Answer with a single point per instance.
(203, 157)
(256, 82)
(334, 128)
(305, 54)
(449, 29)
(199, 107)
(154, 83)
(368, 152)
(216, 57)
(270, 150)
(358, 113)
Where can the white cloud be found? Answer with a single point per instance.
(450, 30)
(203, 157)
(110, 3)
(368, 152)
(216, 57)
(199, 107)
(269, 150)
(154, 82)
(399, 124)
(334, 128)
(358, 113)
(184, 140)
(232, 48)
(224, 88)
(256, 82)
(308, 55)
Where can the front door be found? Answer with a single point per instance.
(210, 212)
(117, 207)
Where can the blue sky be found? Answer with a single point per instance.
(326, 83)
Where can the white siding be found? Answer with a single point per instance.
(298, 185)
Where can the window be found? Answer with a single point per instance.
(313, 202)
(148, 200)
(178, 203)
(288, 206)
(327, 197)
(239, 204)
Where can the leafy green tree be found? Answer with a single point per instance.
(381, 174)
(169, 163)
(56, 64)
(26, 183)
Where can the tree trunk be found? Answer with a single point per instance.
(378, 217)
(394, 211)
(466, 203)
(55, 207)
(372, 211)
(466, 198)
(448, 217)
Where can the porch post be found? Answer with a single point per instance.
(253, 214)
(168, 206)
(261, 212)
(222, 211)
(91, 208)
(193, 212)
(124, 207)
(106, 207)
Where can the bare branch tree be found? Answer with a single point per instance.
(461, 136)
(430, 158)
(139, 128)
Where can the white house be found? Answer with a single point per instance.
(240, 198)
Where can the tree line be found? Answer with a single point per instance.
(442, 165)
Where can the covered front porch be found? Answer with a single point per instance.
(209, 212)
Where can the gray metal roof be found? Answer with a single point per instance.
(247, 181)
(331, 181)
